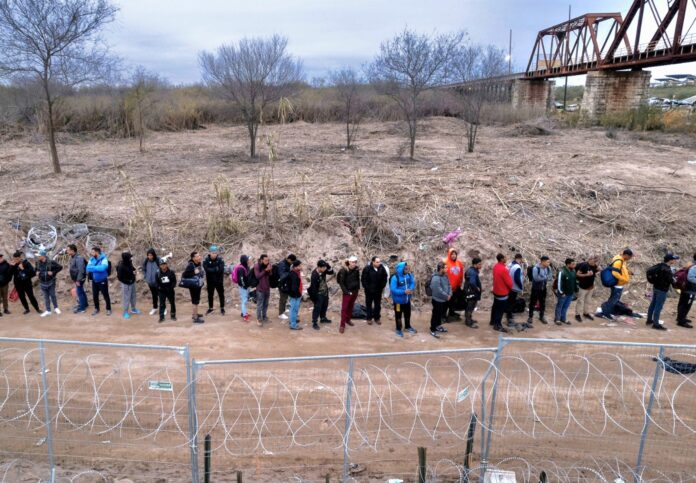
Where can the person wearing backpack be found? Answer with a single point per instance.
(688, 293)
(540, 275)
(319, 293)
(586, 273)
(262, 273)
(566, 289)
(166, 284)
(349, 280)
(401, 286)
(441, 290)
(150, 268)
(661, 277)
(283, 269)
(46, 270)
(78, 275)
(240, 276)
(99, 269)
(125, 273)
(5, 277)
(22, 272)
(618, 268)
(472, 291)
(214, 267)
(294, 288)
(517, 275)
(374, 279)
(195, 273)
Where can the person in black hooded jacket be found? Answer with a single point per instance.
(214, 267)
(374, 279)
(22, 272)
(242, 277)
(5, 277)
(125, 272)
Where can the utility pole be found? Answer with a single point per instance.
(510, 55)
(565, 89)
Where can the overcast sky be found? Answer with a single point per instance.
(165, 36)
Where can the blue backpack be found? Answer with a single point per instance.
(607, 275)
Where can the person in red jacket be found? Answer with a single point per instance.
(502, 285)
(455, 274)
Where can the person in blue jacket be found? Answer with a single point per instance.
(401, 286)
(98, 271)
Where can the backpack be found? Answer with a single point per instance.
(234, 276)
(274, 277)
(530, 273)
(284, 285)
(682, 278)
(252, 280)
(108, 268)
(652, 273)
(428, 288)
(607, 275)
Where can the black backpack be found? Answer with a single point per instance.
(274, 278)
(428, 288)
(284, 284)
(252, 281)
(652, 273)
(530, 273)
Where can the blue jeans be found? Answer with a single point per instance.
(244, 298)
(294, 310)
(562, 307)
(614, 298)
(658, 302)
(81, 296)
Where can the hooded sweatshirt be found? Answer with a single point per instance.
(455, 270)
(619, 269)
(98, 267)
(440, 285)
(243, 272)
(150, 268)
(400, 282)
(125, 271)
(214, 270)
(502, 282)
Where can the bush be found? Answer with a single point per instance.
(645, 118)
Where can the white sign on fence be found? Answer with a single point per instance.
(161, 386)
(499, 476)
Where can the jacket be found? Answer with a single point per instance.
(586, 283)
(441, 287)
(665, 278)
(348, 280)
(540, 276)
(567, 282)
(284, 269)
(264, 285)
(77, 267)
(317, 283)
(190, 271)
(5, 273)
(150, 268)
(691, 280)
(374, 281)
(243, 272)
(517, 277)
(400, 282)
(294, 284)
(98, 267)
(23, 272)
(125, 271)
(502, 282)
(472, 284)
(166, 281)
(214, 270)
(455, 270)
(620, 271)
(42, 269)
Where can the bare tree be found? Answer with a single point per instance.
(476, 67)
(253, 73)
(410, 64)
(348, 83)
(141, 99)
(58, 43)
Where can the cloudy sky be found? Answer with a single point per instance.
(165, 36)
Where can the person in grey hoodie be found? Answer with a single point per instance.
(541, 274)
(47, 269)
(150, 268)
(78, 275)
(442, 293)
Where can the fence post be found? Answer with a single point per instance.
(646, 422)
(192, 418)
(346, 433)
(47, 412)
(489, 430)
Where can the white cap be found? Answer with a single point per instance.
(353, 258)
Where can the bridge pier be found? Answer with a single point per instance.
(607, 92)
(533, 94)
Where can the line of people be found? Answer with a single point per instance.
(452, 289)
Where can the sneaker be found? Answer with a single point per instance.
(45, 313)
(369, 321)
(315, 326)
(246, 318)
(297, 327)
(153, 312)
(259, 323)
(209, 311)
(126, 315)
(165, 311)
(283, 317)
(95, 312)
(648, 322)
(198, 320)
(565, 322)
(79, 311)
(108, 312)
(161, 319)
(530, 321)
(588, 316)
(222, 311)
(435, 334)
(441, 329)
(543, 321)
(349, 322)
(578, 318)
(500, 328)
(173, 317)
(659, 326)
(26, 312)
(325, 321)
(411, 330)
(558, 322)
(399, 333)
(57, 311)
(378, 322)
(472, 325)
(136, 312)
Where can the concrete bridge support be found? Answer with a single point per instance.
(607, 92)
(533, 94)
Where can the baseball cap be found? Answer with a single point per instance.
(353, 258)
(670, 257)
(214, 249)
(42, 253)
(163, 261)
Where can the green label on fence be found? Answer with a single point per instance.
(463, 394)
(160, 386)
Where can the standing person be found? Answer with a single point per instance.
(46, 271)
(5, 277)
(502, 285)
(98, 269)
(455, 273)
(349, 280)
(472, 291)
(242, 277)
(78, 275)
(125, 273)
(319, 293)
(262, 272)
(374, 278)
(166, 284)
(284, 267)
(619, 270)
(401, 286)
(517, 275)
(541, 273)
(586, 273)
(686, 298)
(214, 267)
(22, 272)
(195, 273)
(150, 268)
(293, 283)
(661, 277)
(566, 290)
(442, 293)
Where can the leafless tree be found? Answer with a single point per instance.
(254, 73)
(410, 64)
(348, 83)
(58, 43)
(475, 67)
(140, 99)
